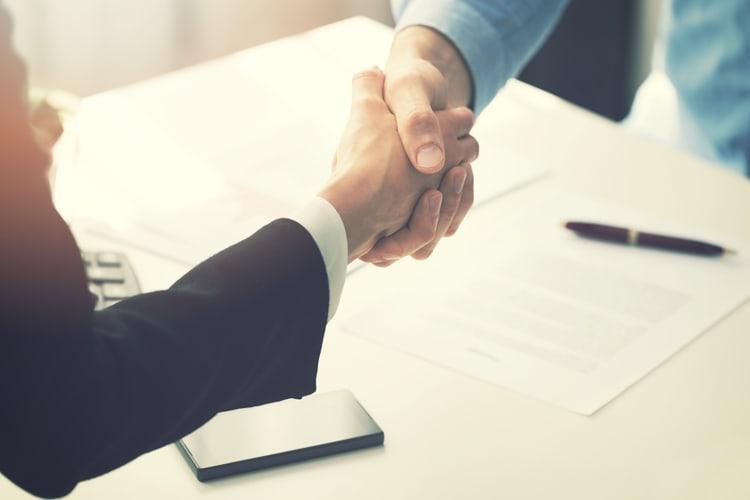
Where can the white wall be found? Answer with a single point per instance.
(85, 46)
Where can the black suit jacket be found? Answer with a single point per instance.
(84, 392)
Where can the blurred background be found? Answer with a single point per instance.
(597, 57)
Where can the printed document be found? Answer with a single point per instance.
(526, 304)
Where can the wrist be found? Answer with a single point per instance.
(415, 43)
(352, 206)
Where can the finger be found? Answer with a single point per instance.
(372, 257)
(418, 232)
(460, 151)
(456, 122)
(467, 200)
(410, 98)
(367, 88)
(377, 261)
(384, 263)
(452, 187)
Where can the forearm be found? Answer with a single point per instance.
(420, 43)
(495, 37)
(244, 328)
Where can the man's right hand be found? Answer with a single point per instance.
(374, 187)
(425, 73)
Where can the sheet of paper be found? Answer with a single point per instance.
(186, 164)
(529, 306)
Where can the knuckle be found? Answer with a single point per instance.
(474, 148)
(457, 121)
(464, 116)
(420, 119)
(466, 113)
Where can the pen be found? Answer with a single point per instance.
(634, 237)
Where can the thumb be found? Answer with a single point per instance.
(418, 126)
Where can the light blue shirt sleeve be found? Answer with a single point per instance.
(708, 61)
(495, 37)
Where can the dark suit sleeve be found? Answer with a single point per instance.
(84, 392)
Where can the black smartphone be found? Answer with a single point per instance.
(289, 431)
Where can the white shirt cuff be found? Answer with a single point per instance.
(324, 224)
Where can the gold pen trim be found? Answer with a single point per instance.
(632, 236)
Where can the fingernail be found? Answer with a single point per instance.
(390, 256)
(429, 157)
(435, 202)
(459, 181)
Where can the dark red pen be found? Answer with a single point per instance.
(634, 237)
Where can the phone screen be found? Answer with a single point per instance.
(278, 433)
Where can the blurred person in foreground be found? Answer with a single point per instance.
(84, 392)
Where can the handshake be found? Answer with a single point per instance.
(402, 175)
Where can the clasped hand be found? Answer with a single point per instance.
(389, 208)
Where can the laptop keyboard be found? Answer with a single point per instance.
(110, 278)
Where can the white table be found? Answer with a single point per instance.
(683, 432)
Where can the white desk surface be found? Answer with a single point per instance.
(682, 432)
